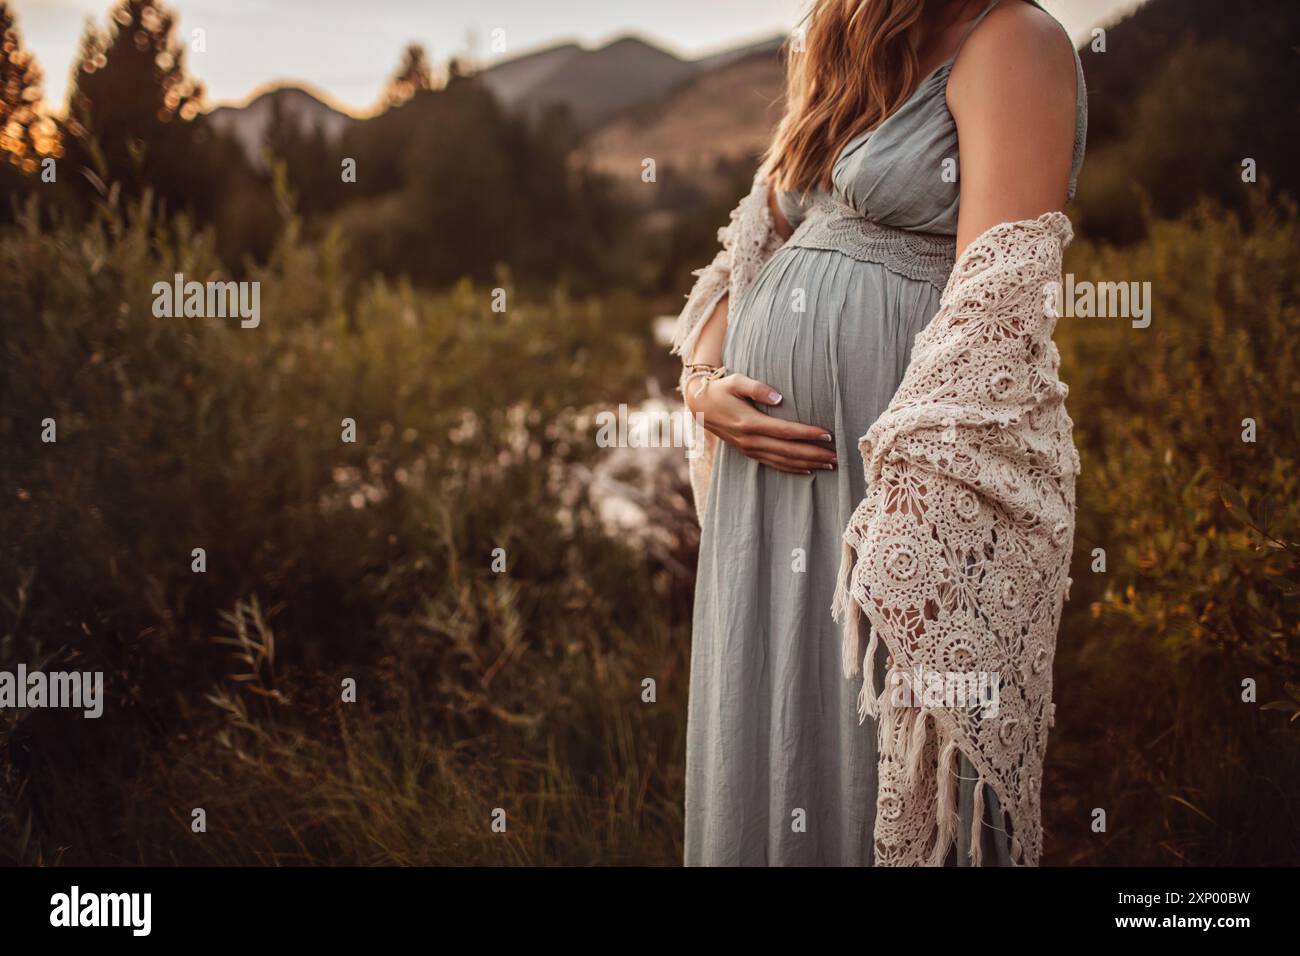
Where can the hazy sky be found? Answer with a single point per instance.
(347, 48)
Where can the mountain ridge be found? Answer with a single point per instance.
(596, 84)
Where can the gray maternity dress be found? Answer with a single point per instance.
(778, 769)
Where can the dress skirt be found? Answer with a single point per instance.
(778, 769)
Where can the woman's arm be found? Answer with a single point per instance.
(727, 405)
(1012, 94)
(708, 347)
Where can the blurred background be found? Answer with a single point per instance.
(484, 173)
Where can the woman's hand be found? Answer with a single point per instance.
(727, 406)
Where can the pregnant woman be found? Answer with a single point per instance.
(874, 503)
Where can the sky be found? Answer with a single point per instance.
(347, 49)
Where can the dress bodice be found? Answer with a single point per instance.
(904, 173)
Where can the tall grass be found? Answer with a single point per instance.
(522, 691)
(370, 561)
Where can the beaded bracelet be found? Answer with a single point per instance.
(700, 370)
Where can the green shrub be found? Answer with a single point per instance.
(369, 560)
(521, 691)
(1153, 652)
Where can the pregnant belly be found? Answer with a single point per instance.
(832, 334)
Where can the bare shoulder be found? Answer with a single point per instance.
(1018, 54)
(1012, 95)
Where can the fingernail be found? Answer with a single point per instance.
(774, 398)
(829, 466)
(827, 438)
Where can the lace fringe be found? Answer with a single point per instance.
(977, 825)
(946, 780)
(916, 748)
(855, 658)
(915, 732)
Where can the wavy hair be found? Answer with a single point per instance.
(857, 63)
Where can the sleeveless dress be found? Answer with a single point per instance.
(778, 769)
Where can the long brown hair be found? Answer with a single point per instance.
(857, 65)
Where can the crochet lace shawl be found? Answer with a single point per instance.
(958, 555)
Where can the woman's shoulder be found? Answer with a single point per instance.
(1018, 52)
(1020, 41)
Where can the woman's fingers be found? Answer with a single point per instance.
(802, 455)
(790, 465)
(765, 394)
(754, 390)
(787, 446)
(790, 431)
(782, 464)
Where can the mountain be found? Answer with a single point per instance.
(770, 46)
(594, 84)
(720, 116)
(512, 80)
(248, 123)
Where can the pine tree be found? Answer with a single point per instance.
(132, 98)
(412, 76)
(25, 135)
